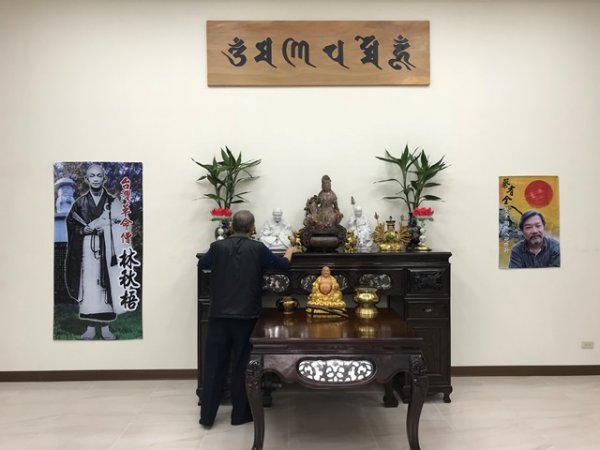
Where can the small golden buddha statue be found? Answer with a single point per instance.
(325, 296)
(351, 240)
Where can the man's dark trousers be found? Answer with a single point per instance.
(226, 340)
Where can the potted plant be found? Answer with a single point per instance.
(225, 175)
(416, 175)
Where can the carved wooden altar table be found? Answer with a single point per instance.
(322, 353)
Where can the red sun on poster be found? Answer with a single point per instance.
(538, 193)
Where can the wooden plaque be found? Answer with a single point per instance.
(317, 53)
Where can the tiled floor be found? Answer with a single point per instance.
(492, 413)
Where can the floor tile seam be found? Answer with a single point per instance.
(123, 432)
(371, 430)
(579, 417)
(461, 428)
(441, 414)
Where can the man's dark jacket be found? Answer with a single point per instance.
(237, 265)
(521, 257)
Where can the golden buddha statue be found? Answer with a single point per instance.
(325, 299)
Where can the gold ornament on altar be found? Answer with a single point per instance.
(295, 240)
(366, 298)
(325, 299)
(351, 240)
(388, 239)
(287, 305)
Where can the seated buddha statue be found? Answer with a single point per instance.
(322, 230)
(322, 210)
(325, 294)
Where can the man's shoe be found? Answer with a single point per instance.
(206, 426)
(242, 421)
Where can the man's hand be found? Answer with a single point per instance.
(90, 230)
(290, 251)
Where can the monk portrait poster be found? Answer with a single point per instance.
(98, 250)
(529, 225)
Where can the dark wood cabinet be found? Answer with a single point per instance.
(414, 284)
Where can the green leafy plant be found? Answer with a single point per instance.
(225, 175)
(416, 175)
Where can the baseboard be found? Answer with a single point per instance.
(523, 371)
(192, 374)
(98, 375)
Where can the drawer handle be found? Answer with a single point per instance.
(428, 310)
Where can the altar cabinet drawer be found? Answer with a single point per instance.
(427, 310)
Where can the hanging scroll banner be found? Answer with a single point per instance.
(317, 53)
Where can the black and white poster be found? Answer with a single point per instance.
(98, 236)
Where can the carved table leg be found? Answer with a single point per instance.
(389, 398)
(270, 382)
(447, 395)
(419, 383)
(254, 373)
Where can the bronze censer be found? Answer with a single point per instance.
(287, 305)
(366, 298)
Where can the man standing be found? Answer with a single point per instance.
(535, 249)
(90, 251)
(237, 264)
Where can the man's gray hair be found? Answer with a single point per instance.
(243, 222)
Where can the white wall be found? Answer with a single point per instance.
(514, 91)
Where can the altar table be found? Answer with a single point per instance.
(322, 353)
(414, 284)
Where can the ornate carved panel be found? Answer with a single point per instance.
(426, 280)
(276, 283)
(342, 281)
(336, 370)
(307, 281)
(379, 281)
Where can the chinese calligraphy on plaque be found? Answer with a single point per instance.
(317, 53)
